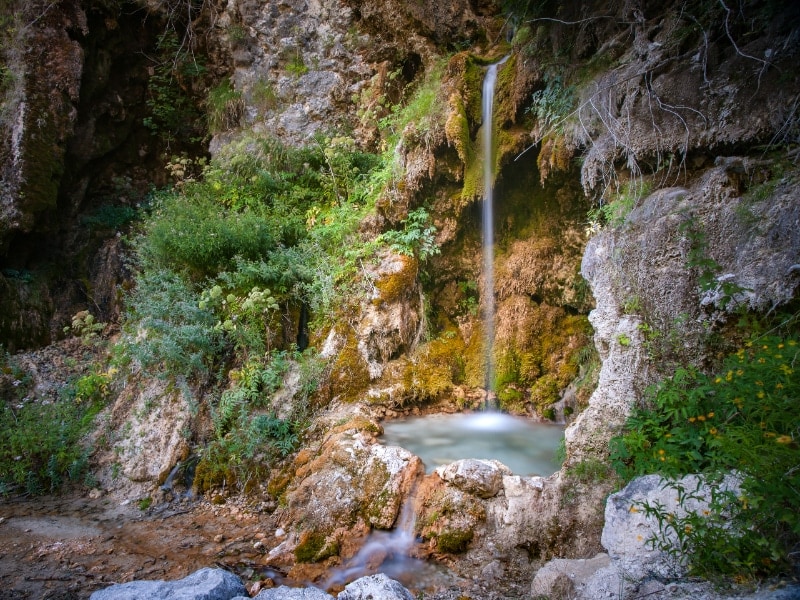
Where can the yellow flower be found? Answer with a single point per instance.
(770, 434)
(713, 431)
(784, 439)
(701, 418)
(661, 451)
(760, 394)
(692, 419)
(718, 380)
(780, 346)
(739, 372)
(711, 415)
(688, 528)
(759, 382)
(633, 509)
(779, 386)
(792, 343)
(765, 347)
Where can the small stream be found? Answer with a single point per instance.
(525, 447)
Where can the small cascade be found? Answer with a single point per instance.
(386, 552)
(186, 469)
(489, 82)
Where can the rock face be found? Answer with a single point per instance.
(352, 482)
(205, 584)
(74, 157)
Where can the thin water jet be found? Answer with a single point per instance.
(487, 128)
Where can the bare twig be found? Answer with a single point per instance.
(765, 64)
(572, 22)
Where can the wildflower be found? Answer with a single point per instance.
(713, 431)
(688, 529)
(739, 372)
(633, 509)
(784, 439)
(729, 376)
(711, 415)
(701, 418)
(759, 382)
(718, 380)
(765, 347)
(770, 434)
(760, 394)
(792, 343)
(661, 451)
(706, 512)
(780, 346)
(692, 419)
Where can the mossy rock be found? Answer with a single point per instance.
(453, 541)
(400, 284)
(315, 547)
(350, 374)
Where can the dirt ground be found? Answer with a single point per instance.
(67, 547)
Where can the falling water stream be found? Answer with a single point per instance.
(487, 128)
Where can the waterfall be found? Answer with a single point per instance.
(488, 221)
(385, 551)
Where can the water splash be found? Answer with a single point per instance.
(489, 82)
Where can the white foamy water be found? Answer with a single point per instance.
(525, 447)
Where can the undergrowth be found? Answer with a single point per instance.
(742, 420)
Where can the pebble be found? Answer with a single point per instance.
(218, 538)
(2, 520)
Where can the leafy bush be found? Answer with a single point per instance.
(40, 444)
(167, 331)
(418, 237)
(552, 104)
(195, 234)
(172, 113)
(742, 420)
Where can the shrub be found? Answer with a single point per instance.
(743, 419)
(167, 331)
(224, 107)
(193, 233)
(40, 444)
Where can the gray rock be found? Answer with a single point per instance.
(628, 528)
(482, 478)
(205, 584)
(285, 592)
(559, 577)
(375, 587)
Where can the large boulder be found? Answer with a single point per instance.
(374, 587)
(482, 478)
(205, 584)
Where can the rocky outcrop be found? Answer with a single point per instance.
(635, 567)
(205, 584)
(75, 158)
(349, 484)
(218, 584)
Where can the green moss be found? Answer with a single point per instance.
(434, 368)
(397, 285)
(350, 375)
(311, 546)
(453, 541)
